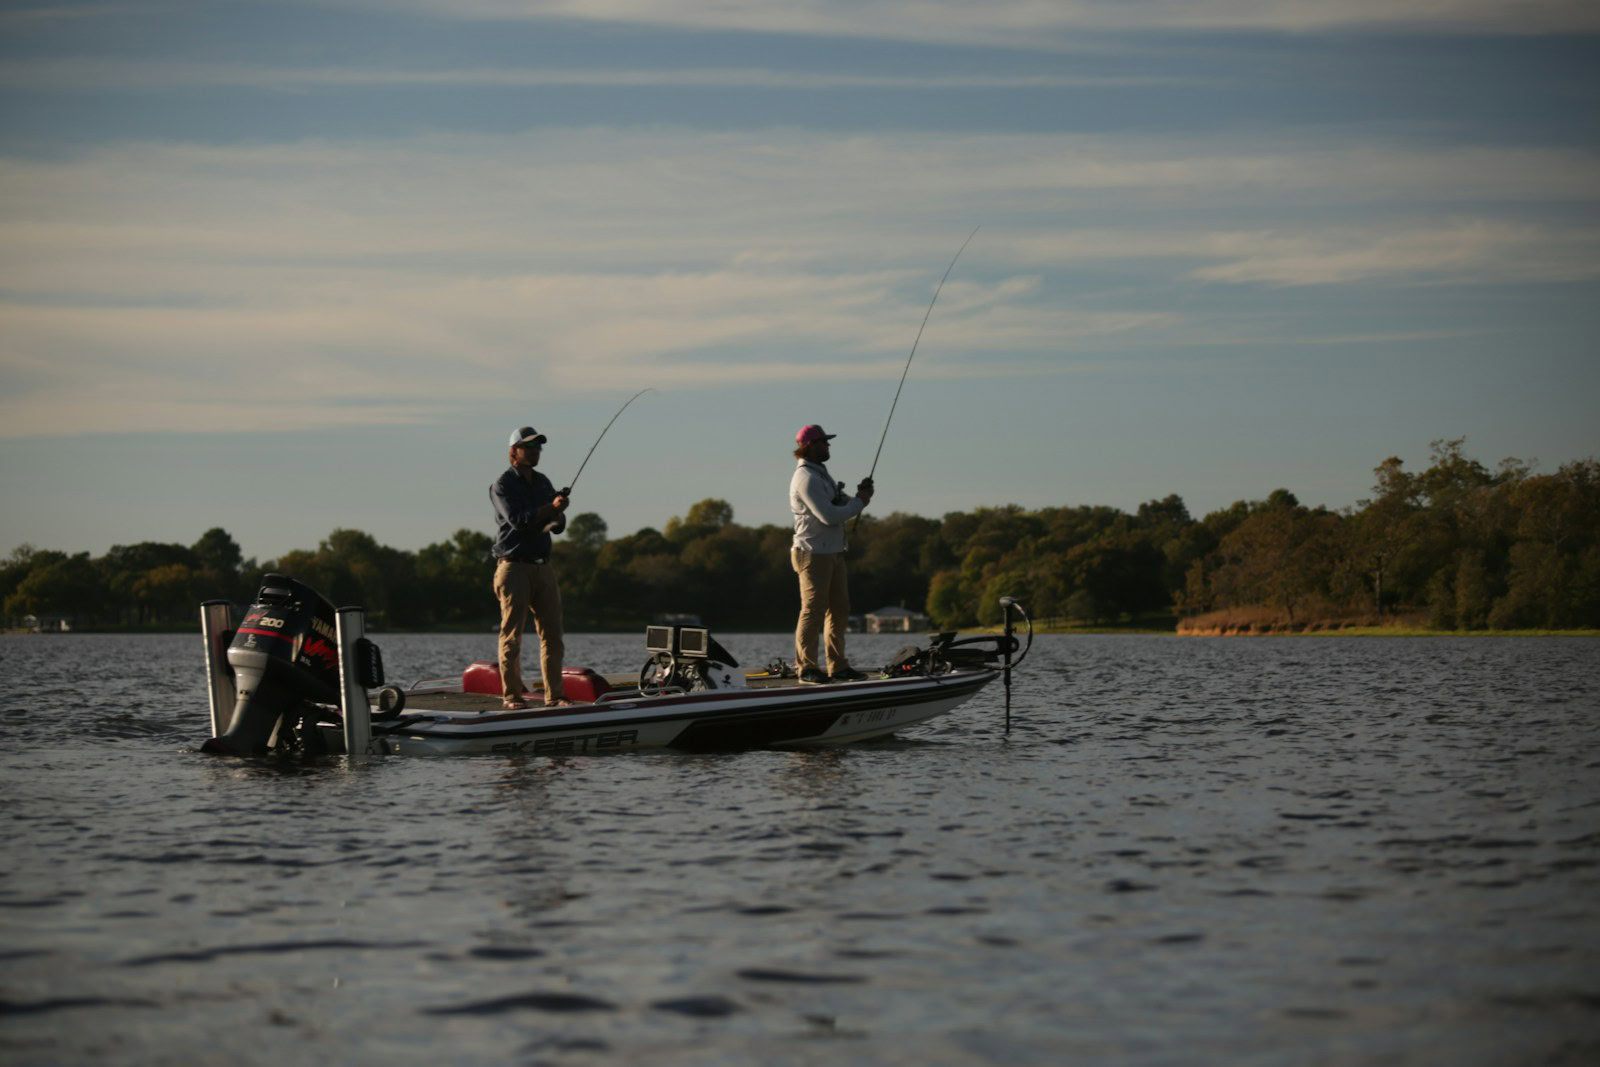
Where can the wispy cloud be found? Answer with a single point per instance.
(100, 74)
(1037, 25)
(21, 17)
(146, 284)
(672, 198)
(1439, 250)
(1473, 250)
(404, 349)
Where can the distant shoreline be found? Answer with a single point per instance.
(1269, 622)
(1209, 626)
(1386, 631)
(1312, 628)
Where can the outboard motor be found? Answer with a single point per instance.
(284, 653)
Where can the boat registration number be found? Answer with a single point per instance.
(870, 718)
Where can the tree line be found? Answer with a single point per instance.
(1471, 547)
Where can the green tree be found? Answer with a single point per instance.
(1122, 576)
(217, 551)
(586, 530)
(1474, 546)
(1473, 595)
(951, 601)
(1182, 541)
(1002, 583)
(1281, 554)
(122, 568)
(1533, 594)
(22, 561)
(454, 577)
(219, 565)
(887, 560)
(167, 594)
(710, 513)
(704, 517)
(68, 586)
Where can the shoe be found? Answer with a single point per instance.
(813, 676)
(848, 674)
(561, 702)
(513, 704)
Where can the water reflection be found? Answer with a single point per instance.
(530, 773)
(1282, 814)
(815, 774)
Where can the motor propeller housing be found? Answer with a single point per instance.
(284, 654)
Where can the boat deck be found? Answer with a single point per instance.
(453, 700)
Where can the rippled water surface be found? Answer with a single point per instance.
(1266, 851)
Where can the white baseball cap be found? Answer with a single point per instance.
(526, 435)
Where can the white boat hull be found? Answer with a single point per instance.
(719, 719)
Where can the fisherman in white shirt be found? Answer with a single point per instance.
(821, 510)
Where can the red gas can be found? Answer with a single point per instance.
(579, 683)
(482, 676)
(583, 685)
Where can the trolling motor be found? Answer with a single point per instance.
(687, 659)
(1009, 604)
(945, 652)
(284, 657)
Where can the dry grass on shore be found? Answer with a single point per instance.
(1243, 622)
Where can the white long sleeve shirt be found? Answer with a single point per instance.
(820, 509)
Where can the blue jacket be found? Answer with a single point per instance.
(518, 531)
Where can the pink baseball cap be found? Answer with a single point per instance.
(811, 433)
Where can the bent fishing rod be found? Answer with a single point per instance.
(909, 358)
(914, 344)
(567, 491)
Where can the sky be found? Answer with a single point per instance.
(289, 267)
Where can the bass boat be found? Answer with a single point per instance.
(295, 675)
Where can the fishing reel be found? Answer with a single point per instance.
(686, 659)
(781, 668)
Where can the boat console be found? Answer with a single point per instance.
(686, 659)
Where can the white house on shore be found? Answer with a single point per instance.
(893, 620)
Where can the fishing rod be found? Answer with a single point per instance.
(909, 358)
(914, 343)
(568, 490)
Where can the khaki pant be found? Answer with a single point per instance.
(524, 587)
(823, 592)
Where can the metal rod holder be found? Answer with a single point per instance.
(216, 627)
(350, 626)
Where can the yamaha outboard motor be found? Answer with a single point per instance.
(284, 653)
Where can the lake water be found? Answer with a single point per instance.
(1188, 851)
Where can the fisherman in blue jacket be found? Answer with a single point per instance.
(527, 509)
(821, 508)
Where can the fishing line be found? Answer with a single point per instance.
(596, 445)
(914, 343)
(597, 440)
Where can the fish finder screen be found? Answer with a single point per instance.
(693, 641)
(658, 639)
